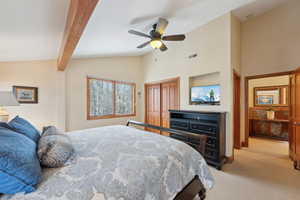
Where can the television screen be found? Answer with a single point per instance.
(206, 95)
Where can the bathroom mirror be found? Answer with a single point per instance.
(271, 96)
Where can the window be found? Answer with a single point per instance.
(110, 99)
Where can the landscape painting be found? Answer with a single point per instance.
(265, 99)
(26, 94)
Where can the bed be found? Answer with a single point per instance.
(121, 162)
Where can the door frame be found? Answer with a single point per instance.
(236, 111)
(295, 155)
(177, 79)
(246, 93)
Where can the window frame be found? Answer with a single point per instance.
(114, 115)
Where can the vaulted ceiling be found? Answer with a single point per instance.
(33, 29)
(257, 8)
(107, 31)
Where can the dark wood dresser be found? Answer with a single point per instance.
(211, 124)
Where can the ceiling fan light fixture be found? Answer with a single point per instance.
(157, 36)
(156, 44)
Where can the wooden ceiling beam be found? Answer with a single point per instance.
(79, 14)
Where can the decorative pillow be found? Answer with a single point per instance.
(22, 126)
(54, 149)
(51, 130)
(20, 169)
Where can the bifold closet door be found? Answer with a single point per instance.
(152, 107)
(169, 101)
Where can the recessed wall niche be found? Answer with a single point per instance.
(205, 89)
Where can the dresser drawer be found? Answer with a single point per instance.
(178, 124)
(211, 154)
(212, 142)
(201, 128)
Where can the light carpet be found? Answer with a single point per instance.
(261, 172)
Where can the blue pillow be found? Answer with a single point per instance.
(20, 169)
(4, 125)
(20, 125)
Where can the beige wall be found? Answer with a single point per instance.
(42, 74)
(265, 82)
(212, 44)
(235, 48)
(207, 79)
(62, 95)
(236, 44)
(116, 68)
(271, 43)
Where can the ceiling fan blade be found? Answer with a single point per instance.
(139, 34)
(161, 26)
(174, 38)
(163, 47)
(143, 45)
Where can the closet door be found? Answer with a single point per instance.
(152, 107)
(169, 101)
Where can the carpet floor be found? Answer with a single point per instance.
(261, 172)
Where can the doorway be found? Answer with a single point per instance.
(267, 111)
(160, 97)
(251, 102)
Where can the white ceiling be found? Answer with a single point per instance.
(107, 31)
(257, 8)
(33, 29)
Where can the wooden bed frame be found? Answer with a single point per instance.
(195, 186)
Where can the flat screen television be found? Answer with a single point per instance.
(207, 95)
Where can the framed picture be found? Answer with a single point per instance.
(265, 99)
(26, 94)
(271, 96)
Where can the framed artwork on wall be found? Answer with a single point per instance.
(26, 95)
(271, 96)
(265, 99)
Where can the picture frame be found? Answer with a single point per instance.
(271, 96)
(265, 99)
(26, 95)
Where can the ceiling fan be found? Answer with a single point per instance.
(156, 36)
